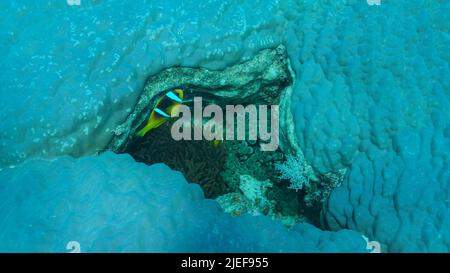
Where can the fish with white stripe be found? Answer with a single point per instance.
(163, 111)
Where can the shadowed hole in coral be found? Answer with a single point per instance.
(199, 160)
(237, 174)
(219, 168)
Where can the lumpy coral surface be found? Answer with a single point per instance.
(91, 200)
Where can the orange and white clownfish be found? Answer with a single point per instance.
(163, 110)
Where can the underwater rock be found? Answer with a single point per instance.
(245, 157)
(251, 199)
(112, 203)
(256, 198)
(234, 203)
(319, 192)
(256, 192)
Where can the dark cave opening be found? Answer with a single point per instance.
(218, 167)
(236, 173)
(200, 161)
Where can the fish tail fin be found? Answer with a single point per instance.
(144, 130)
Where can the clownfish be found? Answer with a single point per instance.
(164, 109)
